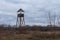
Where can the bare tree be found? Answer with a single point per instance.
(49, 17)
(58, 20)
(54, 19)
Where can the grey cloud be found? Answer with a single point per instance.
(34, 9)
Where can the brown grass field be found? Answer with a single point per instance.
(10, 34)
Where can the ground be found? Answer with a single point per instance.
(29, 35)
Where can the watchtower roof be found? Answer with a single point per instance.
(20, 10)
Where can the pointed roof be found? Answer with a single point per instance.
(20, 10)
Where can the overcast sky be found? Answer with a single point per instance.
(36, 11)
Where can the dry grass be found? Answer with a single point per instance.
(24, 34)
(30, 35)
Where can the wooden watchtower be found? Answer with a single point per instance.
(20, 18)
